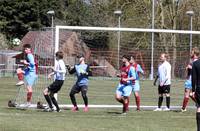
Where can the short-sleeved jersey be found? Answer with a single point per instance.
(164, 73)
(138, 70)
(60, 70)
(128, 72)
(124, 74)
(31, 67)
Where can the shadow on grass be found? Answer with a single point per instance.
(114, 112)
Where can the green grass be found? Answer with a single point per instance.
(100, 92)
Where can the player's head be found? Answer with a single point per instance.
(164, 57)
(194, 53)
(27, 48)
(81, 58)
(132, 61)
(126, 58)
(59, 55)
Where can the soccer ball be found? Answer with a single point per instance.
(16, 42)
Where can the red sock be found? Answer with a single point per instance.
(20, 76)
(126, 106)
(137, 99)
(29, 96)
(185, 102)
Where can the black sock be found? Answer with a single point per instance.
(168, 101)
(85, 98)
(160, 100)
(73, 99)
(198, 120)
(55, 103)
(48, 100)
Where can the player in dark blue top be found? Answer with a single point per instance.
(82, 71)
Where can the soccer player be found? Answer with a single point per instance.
(136, 86)
(82, 71)
(124, 89)
(164, 76)
(29, 72)
(196, 88)
(59, 76)
(188, 83)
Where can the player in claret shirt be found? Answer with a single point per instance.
(124, 89)
(188, 83)
(29, 72)
(136, 86)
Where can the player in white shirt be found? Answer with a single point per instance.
(59, 76)
(164, 76)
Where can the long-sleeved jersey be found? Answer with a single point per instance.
(196, 76)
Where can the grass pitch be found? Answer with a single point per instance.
(97, 119)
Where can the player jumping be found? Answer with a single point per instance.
(29, 72)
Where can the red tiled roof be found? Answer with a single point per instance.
(41, 42)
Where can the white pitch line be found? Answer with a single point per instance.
(110, 106)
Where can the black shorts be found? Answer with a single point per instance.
(164, 89)
(76, 88)
(55, 86)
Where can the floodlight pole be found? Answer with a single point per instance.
(190, 13)
(152, 40)
(52, 13)
(118, 13)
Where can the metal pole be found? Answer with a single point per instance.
(118, 42)
(190, 33)
(152, 40)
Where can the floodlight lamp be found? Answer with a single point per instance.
(118, 12)
(190, 13)
(51, 12)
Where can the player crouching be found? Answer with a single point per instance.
(124, 89)
(82, 71)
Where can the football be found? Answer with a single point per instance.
(16, 42)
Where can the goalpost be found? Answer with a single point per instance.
(117, 29)
(45, 52)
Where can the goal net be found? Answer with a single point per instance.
(103, 48)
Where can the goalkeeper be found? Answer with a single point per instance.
(82, 71)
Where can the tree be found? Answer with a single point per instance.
(19, 16)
